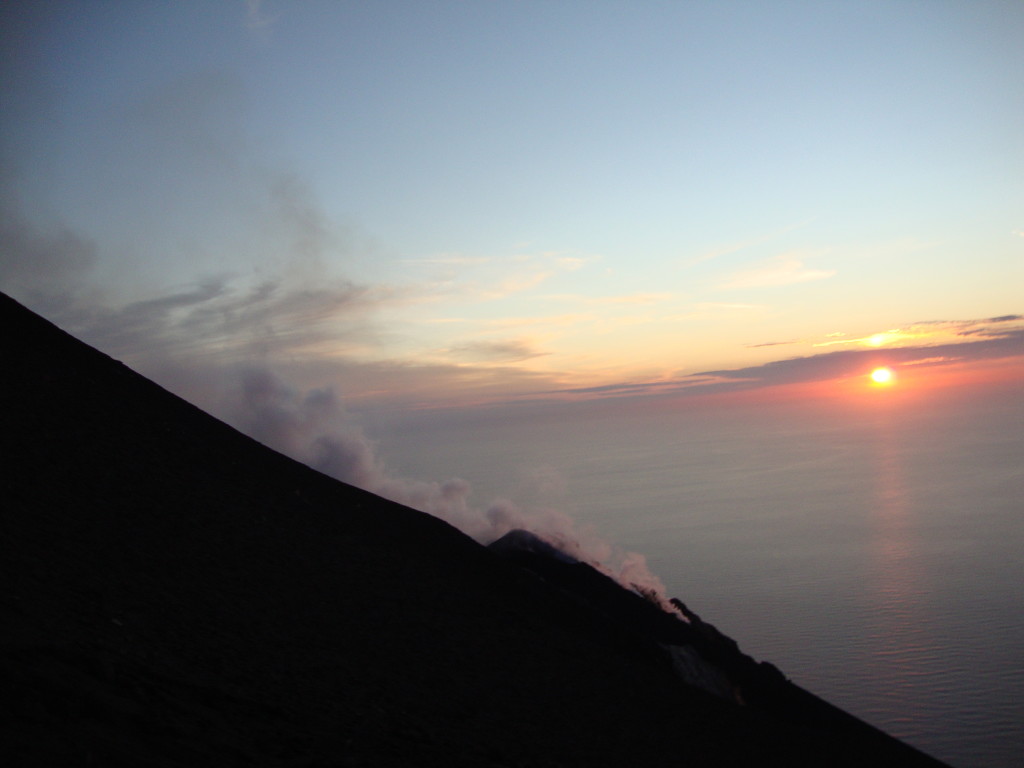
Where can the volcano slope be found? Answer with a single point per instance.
(174, 594)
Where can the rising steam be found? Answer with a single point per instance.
(313, 427)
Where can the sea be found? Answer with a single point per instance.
(874, 553)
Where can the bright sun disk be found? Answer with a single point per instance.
(882, 375)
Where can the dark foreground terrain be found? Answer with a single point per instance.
(174, 594)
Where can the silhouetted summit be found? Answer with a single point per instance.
(175, 594)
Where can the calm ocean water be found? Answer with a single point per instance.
(875, 556)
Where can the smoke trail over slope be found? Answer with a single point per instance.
(313, 427)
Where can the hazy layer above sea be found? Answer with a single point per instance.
(874, 551)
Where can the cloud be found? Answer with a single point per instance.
(742, 245)
(453, 260)
(490, 278)
(571, 263)
(543, 321)
(514, 284)
(772, 344)
(991, 326)
(880, 339)
(625, 299)
(718, 305)
(256, 18)
(279, 296)
(786, 269)
(505, 351)
(299, 313)
(925, 332)
(844, 363)
(41, 261)
(216, 318)
(978, 341)
(640, 388)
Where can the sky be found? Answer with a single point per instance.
(446, 205)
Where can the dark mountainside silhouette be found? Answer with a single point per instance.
(175, 594)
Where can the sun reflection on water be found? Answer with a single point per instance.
(899, 640)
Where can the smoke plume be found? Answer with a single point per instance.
(313, 427)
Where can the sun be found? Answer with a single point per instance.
(882, 376)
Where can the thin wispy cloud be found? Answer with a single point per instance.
(786, 269)
(256, 17)
(991, 326)
(640, 388)
(925, 332)
(571, 263)
(451, 260)
(881, 339)
(625, 299)
(462, 277)
(845, 363)
(772, 344)
(721, 306)
(538, 321)
(495, 351)
(512, 285)
(216, 318)
(742, 245)
(34, 257)
(989, 340)
(294, 305)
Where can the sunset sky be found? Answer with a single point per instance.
(732, 287)
(425, 204)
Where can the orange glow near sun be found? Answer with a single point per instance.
(882, 376)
